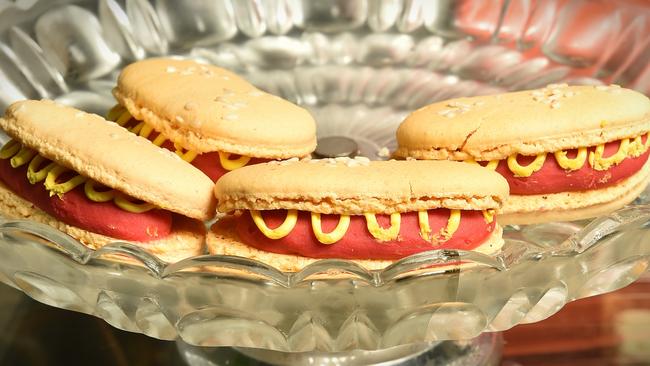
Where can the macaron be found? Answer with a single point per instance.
(99, 183)
(209, 116)
(567, 152)
(289, 214)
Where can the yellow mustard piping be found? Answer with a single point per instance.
(334, 235)
(598, 162)
(375, 230)
(488, 215)
(34, 176)
(452, 224)
(122, 201)
(146, 130)
(187, 155)
(628, 148)
(423, 221)
(159, 140)
(232, 164)
(279, 232)
(24, 156)
(115, 112)
(96, 196)
(525, 171)
(571, 164)
(52, 171)
(64, 187)
(637, 147)
(380, 233)
(122, 116)
(492, 164)
(11, 148)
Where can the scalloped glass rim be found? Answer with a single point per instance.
(232, 301)
(437, 261)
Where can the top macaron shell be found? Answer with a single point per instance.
(557, 117)
(357, 186)
(111, 155)
(207, 108)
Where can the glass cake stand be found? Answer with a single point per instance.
(359, 66)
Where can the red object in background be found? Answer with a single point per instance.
(603, 39)
(609, 329)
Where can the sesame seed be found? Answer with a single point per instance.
(171, 69)
(555, 105)
(450, 115)
(601, 87)
(231, 117)
(189, 106)
(179, 119)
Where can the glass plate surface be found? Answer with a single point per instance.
(359, 66)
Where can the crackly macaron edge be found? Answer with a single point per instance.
(97, 149)
(337, 186)
(554, 127)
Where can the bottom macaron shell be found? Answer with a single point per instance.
(570, 206)
(74, 208)
(222, 239)
(358, 243)
(552, 178)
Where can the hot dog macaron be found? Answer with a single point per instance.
(100, 183)
(290, 214)
(210, 116)
(567, 152)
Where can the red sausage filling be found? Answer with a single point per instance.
(74, 208)
(208, 163)
(358, 243)
(552, 178)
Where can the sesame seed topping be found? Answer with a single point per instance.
(602, 87)
(171, 69)
(189, 106)
(555, 105)
(179, 119)
(231, 117)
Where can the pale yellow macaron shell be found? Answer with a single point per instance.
(357, 186)
(206, 108)
(554, 118)
(111, 155)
